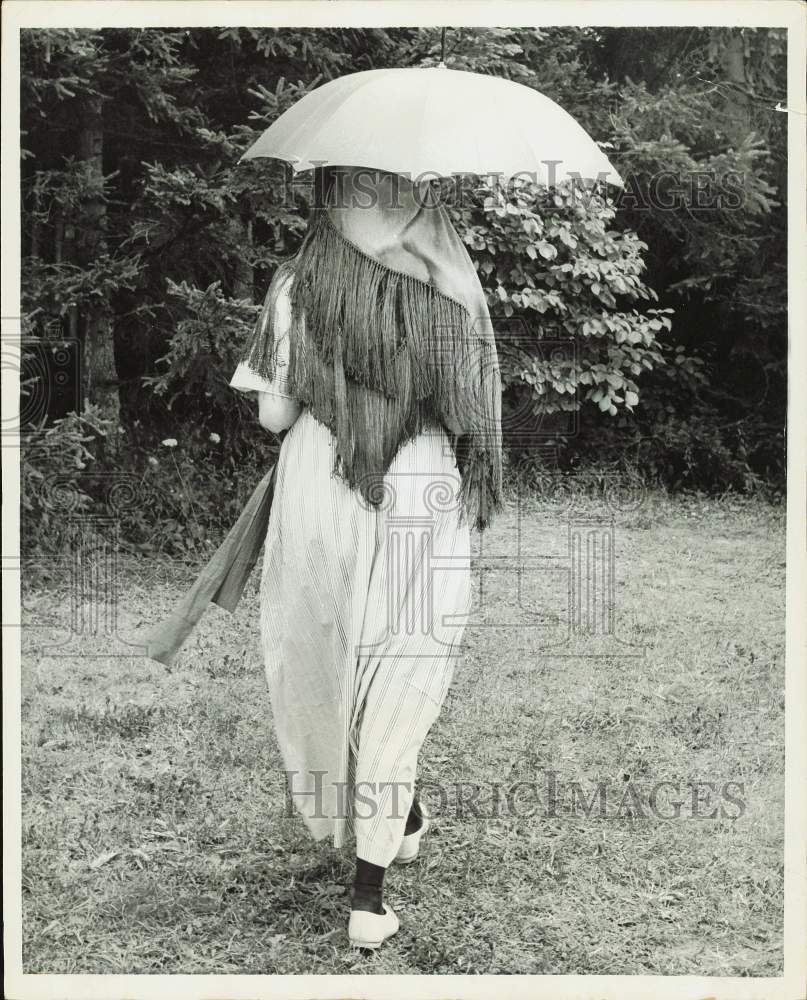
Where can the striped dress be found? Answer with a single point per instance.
(363, 610)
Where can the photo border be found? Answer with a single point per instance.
(790, 14)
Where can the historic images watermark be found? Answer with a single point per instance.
(548, 796)
(693, 191)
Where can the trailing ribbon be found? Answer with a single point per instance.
(223, 579)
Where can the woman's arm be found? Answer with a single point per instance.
(276, 413)
(277, 408)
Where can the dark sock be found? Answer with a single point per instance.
(368, 887)
(414, 821)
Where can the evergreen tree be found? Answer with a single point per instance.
(144, 235)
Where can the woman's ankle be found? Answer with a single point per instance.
(367, 897)
(414, 821)
(368, 887)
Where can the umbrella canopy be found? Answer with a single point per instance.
(434, 122)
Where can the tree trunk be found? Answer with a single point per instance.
(737, 93)
(35, 225)
(67, 242)
(99, 374)
(244, 277)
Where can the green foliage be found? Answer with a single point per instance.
(194, 489)
(52, 460)
(192, 237)
(706, 161)
(202, 353)
(713, 202)
(552, 260)
(189, 489)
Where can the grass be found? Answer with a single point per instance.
(154, 833)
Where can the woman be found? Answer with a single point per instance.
(374, 353)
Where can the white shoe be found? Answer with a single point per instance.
(410, 845)
(371, 930)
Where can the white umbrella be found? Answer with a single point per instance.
(434, 122)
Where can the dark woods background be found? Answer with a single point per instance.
(655, 318)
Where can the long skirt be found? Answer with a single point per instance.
(363, 610)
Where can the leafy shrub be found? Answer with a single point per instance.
(193, 489)
(189, 239)
(178, 496)
(563, 287)
(52, 460)
(209, 332)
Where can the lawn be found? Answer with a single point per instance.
(155, 833)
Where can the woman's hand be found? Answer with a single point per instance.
(277, 413)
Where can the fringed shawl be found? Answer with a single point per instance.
(378, 354)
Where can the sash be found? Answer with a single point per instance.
(223, 579)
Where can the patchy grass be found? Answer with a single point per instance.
(155, 837)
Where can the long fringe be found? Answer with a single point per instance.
(377, 355)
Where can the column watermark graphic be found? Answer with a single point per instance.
(418, 559)
(83, 509)
(93, 566)
(579, 574)
(48, 369)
